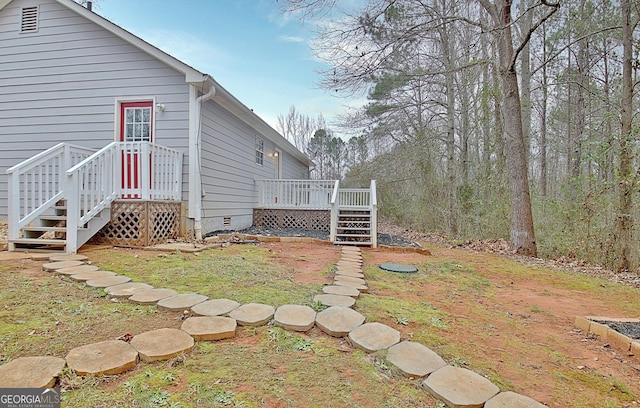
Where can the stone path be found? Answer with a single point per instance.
(217, 319)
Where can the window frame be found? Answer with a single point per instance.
(259, 144)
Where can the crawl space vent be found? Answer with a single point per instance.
(227, 222)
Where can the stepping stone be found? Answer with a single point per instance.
(361, 288)
(74, 270)
(162, 344)
(351, 279)
(152, 296)
(353, 274)
(67, 257)
(338, 321)
(88, 275)
(253, 314)
(182, 302)
(54, 266)
(341, 290)
(295, 317)
(104, 358)
(351, 257)
(375, 336)
(349, 264)
(350, 249)
(414, 359)
(204, 328)
(108, 281)
(512, 400)
(334, 300)
(460, 388)
(31, 372)
(215, 307)
(40, 257)
(125, 290)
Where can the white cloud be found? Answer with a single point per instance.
(291, 38)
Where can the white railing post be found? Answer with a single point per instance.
(72, 187)
(13, 212)
(333, 230)
(144, 170)
(374, 214)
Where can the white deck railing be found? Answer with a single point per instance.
(298, 194)
(89, 181)
(37, 183)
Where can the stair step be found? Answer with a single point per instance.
(354, 228)
(53, 217)
(354, 235)
(36, 241)
(352, 242)
(45, 229)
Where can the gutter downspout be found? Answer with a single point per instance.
(198, 175)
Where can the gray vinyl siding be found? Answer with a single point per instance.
(229, 168)
(60, 84)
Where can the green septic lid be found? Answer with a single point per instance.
(399, 268)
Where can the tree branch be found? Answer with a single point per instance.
(527, 37)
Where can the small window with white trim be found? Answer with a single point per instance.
(259, 150)
(29, 19)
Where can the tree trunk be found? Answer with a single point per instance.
(543, 120)
(522, 232)
(625, 219)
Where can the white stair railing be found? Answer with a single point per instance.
(374, 214)
(36, 184)
(333, 229)
(120, 169)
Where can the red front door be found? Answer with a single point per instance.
(135, 126)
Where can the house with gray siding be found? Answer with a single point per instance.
(92, 116)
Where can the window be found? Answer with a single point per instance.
(259, 150)
(29, 22)
(136, 122)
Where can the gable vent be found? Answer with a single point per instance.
(29, 19)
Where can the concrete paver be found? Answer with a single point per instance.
(358, 286)
(350, 279)
(460, 388)
(31, 372)
(341, 290)
(295, 317)
(215, 307)
(374, 336)
(74, 270)
(182, 301)
(510, 399)
(53, 266)
(151, 296)
(334, 300)
(104, 358)
(353, 274)
(67, 257)
(89, 275)
(162, 344)
(210, 327)
(338, 321)
(414, 359)
(125, 290)
(253, 314)
(108, 281)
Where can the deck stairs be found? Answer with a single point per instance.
(354, 216)
(353, 226)
(48, 232)
(60, 198)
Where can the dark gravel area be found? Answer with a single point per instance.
(629, 329)
(383, 239)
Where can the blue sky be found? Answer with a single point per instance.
(248, 46)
